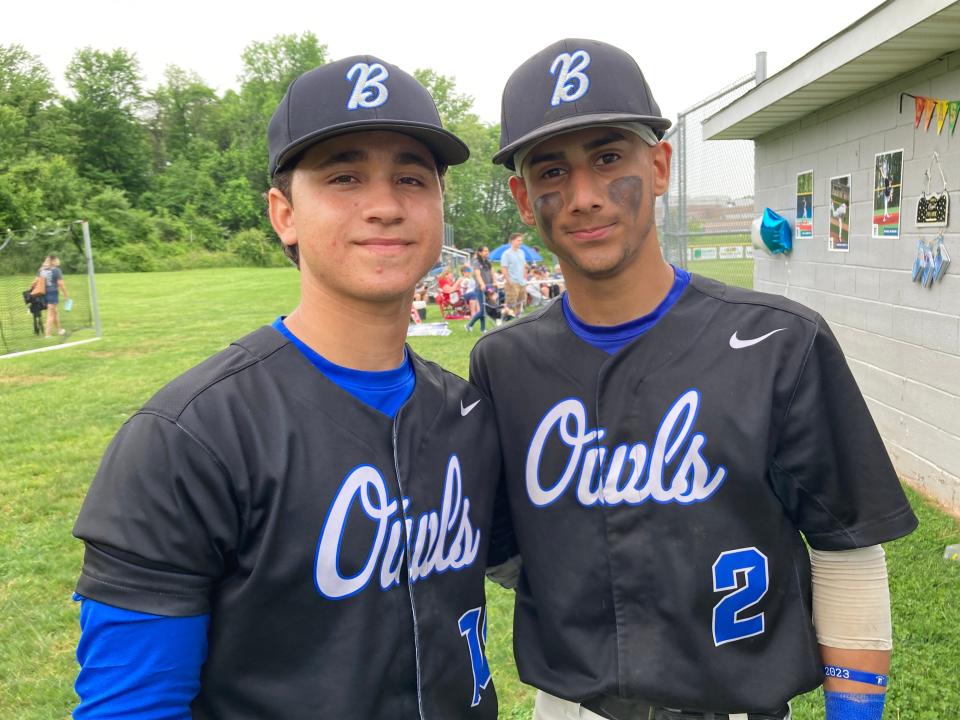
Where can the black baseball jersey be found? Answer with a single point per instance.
(657, 495)
(340, 553)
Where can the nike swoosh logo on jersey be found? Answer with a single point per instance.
(464, 411)
(738, 344)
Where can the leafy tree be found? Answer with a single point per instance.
(113, 144)
(452, 106)
(13, 134)
(25, 83)
(181, 110)
(114, 223)
(27, 100)
(270, 67)
(34, 189)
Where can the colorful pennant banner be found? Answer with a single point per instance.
(924, 109)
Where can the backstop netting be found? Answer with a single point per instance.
(22, 252)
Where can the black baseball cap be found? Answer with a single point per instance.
(356, 94)
(571, 84)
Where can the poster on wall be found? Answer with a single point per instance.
(804, 224)
(839, 209)
(887, 177)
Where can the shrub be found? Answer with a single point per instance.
(253, 248)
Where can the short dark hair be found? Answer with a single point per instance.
(282, 180)
(514, 236)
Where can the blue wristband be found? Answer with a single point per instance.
(854, 706)
(842, 673)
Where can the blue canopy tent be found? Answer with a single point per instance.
(529, 253)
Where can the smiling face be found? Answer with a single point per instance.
(591, 194)
(366, 214)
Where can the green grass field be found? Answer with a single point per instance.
(60, 410)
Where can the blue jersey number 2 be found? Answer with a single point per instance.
(476, 634)
(743, 571)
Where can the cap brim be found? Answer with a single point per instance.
(446, 147)
(505, 155)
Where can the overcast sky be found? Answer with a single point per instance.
(686, 48)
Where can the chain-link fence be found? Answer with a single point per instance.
(704, 218)
(23, 317)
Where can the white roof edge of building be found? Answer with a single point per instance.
(877, 27)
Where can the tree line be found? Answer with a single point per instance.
(174, 177)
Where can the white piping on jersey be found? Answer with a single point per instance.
(693, 480)
(406, 545)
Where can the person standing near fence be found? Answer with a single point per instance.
(675, 443)
(53, 278)
(483, 277)
(514, 264)
(297, 527)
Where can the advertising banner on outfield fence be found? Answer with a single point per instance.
(703, 253)
(731, 252)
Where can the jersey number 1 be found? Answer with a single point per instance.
(476, 634)
(744, 572)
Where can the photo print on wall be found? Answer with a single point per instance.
(887, 187)
(803, 228)
(838, 206)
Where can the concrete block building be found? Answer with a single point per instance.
(832, 111)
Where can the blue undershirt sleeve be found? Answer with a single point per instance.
(134, 664)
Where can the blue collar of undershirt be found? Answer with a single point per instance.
(610, 338)
(383, 390)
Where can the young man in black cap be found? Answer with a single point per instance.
(676, 441)
(297, 527)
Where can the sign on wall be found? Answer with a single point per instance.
(887, 181)
(933, 208)
(804, 225)
(731, 252)
(838, 207)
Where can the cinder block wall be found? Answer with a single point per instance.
(902, 341)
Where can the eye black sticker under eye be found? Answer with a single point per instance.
(546, 207)
(626, 191)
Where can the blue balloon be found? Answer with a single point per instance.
(776, 232)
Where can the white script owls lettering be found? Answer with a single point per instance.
(630, 474)
(438, 541)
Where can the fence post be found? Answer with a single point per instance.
(88, 251)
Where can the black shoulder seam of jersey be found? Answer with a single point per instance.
(536, 315)
(189, 433)
(254, 359)
(841, 529)
(803, 369)
(758, 302)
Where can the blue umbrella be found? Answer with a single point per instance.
(529, 253)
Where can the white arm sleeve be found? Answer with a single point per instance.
(851, 599)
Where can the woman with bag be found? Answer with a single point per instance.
(53, 280)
